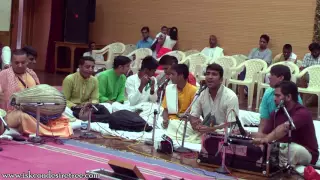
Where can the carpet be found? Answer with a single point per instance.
(77, 157)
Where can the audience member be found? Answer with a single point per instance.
(214, 51)
(262, 52)
(169, 42)
(146, 40)
(96, 57)
(286, 55)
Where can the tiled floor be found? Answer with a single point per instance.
(115, 143)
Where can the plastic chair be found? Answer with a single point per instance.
(253, 68)
(114, 49)
(137, 56)
(314, 82)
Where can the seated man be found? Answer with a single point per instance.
(278, 73)
(179, 96)
(214, 103)
(146, 40)
(304, 146)
(286, 55)
(17, 78)
(262, 52)
(81, 87)
(312, 58)
(166, 62)
(112, 81)
(142, 87)
(214, 51)
(31, 55)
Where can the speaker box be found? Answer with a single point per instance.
(121, 171)
(78, 15)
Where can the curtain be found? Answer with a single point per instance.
(316, 34)
(56, 31)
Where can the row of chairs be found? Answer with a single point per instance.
(256, 69)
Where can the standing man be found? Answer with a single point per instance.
(304, 146)
(146, 40)
(112, 81)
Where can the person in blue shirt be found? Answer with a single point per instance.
(146, 40)
(278, 73)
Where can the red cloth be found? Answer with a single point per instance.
(192, 80)
(163, 51)
(311, 174)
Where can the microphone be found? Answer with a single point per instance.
(148, 85)
(164, 83)
(280, 105)
(202, 88)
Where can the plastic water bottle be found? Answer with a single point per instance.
(84, 125)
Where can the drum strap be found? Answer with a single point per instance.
(22, 82)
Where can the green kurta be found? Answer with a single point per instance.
(78, 90)
(111, 86)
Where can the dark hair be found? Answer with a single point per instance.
(89, 45)
(265, 37)
(314, 46)
(145, 28)
(120, 61)
(149, 63)
(287, 46)
(215, 67)
(174, 33)
(181, 69)
(18, 52)
(168, 60)
(288, 87)
(84, 59)
(281, 70)
(30, 51)
(164, 27)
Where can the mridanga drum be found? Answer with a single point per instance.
(42, 93)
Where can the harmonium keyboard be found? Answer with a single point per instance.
(241, 155)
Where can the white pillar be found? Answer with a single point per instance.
(20, 22)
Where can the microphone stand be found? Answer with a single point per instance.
(37, 139)
(155, 119)
(182, 149)
(86, 134)
(223, 169)
(289, 168)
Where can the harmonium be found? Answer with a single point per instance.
(241, 155)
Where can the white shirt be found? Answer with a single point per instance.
(169, 43)
(132, 91)
(213, 53)
(96, 57)
(224, 102)
(6, 55)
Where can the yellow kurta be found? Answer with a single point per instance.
(78, 90)
(185, 98)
